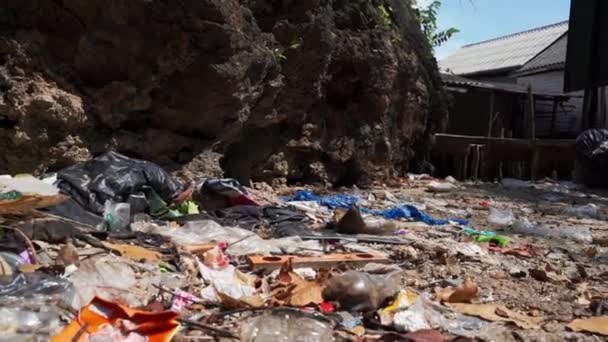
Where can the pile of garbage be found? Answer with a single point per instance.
(117, 249)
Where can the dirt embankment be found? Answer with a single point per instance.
(304, 91)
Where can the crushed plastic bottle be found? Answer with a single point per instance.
(588, 210)
(287, 326)
(361, 291)
(501, 217)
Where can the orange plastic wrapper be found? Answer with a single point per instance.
(100, 315)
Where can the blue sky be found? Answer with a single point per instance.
(479, 20)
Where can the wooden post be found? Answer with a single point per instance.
(491, 116)
(465, 164)
(534, 159)
(532, 115)
(475, 163)
(553, 118)
(534, 164)
(500, 163)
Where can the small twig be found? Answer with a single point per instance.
(27, 241)
(93, 241)
(220, 332)
(92, 255)
(239, 240)
(65, 219)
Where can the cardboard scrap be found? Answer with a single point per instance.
(30, 202)
(271, 263)
(596, 325)
(494, 312)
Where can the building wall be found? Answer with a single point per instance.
(568, 119)
(469, 113)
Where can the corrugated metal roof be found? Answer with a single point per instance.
(552, 57)
(499, 86)
(454, 80)
(503, 53)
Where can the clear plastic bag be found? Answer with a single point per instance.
(588, 210)
(241, 241)
(576, 233)
(524, 226)
(424, 313)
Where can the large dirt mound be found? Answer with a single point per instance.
(307, 91)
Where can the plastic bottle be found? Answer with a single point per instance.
(286, 326)
(501, 217)
(116, 216)
(360, 291)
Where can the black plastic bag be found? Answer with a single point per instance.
(592, 157)
(113, 176)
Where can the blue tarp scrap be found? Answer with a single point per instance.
(346, 201)
(331, 201)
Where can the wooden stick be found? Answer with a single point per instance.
(217, 331)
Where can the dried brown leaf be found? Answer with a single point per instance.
(286, 272)
(229, 302)
(466, 292)
(307, 292)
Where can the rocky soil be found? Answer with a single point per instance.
(300, 91)
(549, 278)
